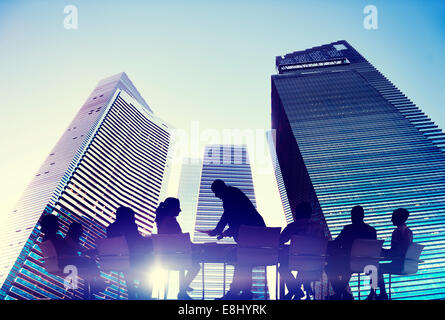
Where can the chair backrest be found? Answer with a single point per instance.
(173, 251)
(258, 237)
(312, 246)
(258, 246)
(411, 262)
(113, 253)
(365, 252)
(307, 254)
(50, 259)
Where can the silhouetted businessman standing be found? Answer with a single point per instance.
(238, 210)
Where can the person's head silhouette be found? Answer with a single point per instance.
(75, 231)
(303, 210)
(173, 206)
(399, 216)
(170, 207)
(125, 215)
(49, 224)
(357, 214)
(219, 188)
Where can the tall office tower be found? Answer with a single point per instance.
(188, 193)
(115, 152)
(270, 136)
(229, 163)
(345, 136)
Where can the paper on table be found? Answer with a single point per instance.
(204, 231)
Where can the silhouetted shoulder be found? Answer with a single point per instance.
(291, 226)
(169, 225)
(112, 231)
(372, 231)
(348, 228)
(234, 191)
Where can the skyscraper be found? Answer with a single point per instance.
(345, 136)
(229, 163)
(115, 152)
(188, 193)
(270, 135)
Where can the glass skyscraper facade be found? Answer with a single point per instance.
(345, 136)
(229, 163)
(270, 136)
(188, 191)
(115, 152)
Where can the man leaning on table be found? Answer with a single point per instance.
(238, 210)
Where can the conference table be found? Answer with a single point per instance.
(213, 252)
(224, 253)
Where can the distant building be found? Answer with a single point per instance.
(188, 191)
(279, 177)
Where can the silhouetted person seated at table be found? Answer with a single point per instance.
(339, 251)
(401, 238)
(50, 229)
(73, 235)
(68, 255)
(75, 232)
(302, 226)
(166, 223)
(238, 210)
(140, 249)
(166, 214)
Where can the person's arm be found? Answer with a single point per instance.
(109, 231)
(340, 238)
(392, 252)
(285, 235)
(174, 226)
(178, 226)
(229, 232)
(220, 226)
(169, 225)
(320, 232)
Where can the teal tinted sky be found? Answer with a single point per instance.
(204, 61)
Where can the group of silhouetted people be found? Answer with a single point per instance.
(338, 264)
(238, 210)
(339, 251)
(70, 252)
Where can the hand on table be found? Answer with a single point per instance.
(210, 233)
(226, 233)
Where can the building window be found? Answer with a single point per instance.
(340, 47)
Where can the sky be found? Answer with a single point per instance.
(203, 65)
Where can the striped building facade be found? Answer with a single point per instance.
(345, 136)
(229, 163)
(115, 152)
(188, 191)
(271, 140)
